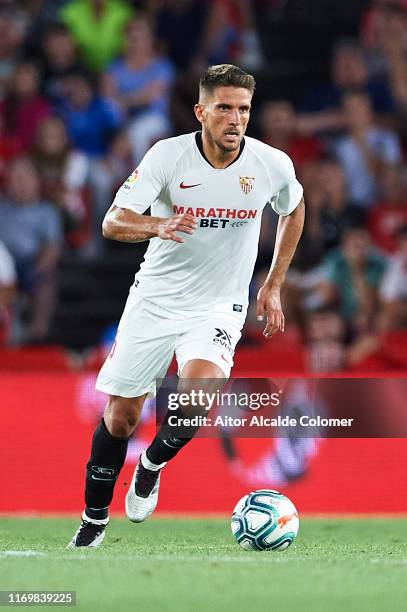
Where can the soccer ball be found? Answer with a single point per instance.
(265, 520)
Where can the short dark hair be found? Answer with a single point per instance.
(226, 75)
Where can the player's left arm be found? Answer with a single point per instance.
(289, 231)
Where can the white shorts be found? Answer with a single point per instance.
(147, 338)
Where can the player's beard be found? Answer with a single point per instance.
(228, 149)
(224, 148)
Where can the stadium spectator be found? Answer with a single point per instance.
(63, 172)
(107, 175)
(321, 107)
(394, 49)
(114, 167)
(328, 347)
(8, 281)
(219, 31)
(278, 128)
(365, 151)
(237, 38)
(353, 273)
(59, 60)
(91, 122)
(24, 107)
(325, 333)
(382, 24)
(90, 119)
(39, 15)
(230, 35)
(31, 230)
(11, 36)
(181, 27)
(97, 27)
(393, 289)
(140, 83)
(389, 214)
(10, 147)
(328, 210)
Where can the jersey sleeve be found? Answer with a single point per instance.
(145, 183)
(289, 190)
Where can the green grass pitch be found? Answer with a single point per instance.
(191, 565)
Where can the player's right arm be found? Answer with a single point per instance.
(125, 225)
(125, 222)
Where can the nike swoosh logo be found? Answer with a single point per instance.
(107, 479)
(182, 186)
(224, 359)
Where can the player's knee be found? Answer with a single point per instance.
(119, 426)
(122, 416)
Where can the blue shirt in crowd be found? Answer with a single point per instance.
(129, 81)
(26, 229)
(90, 128)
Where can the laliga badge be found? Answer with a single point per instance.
(132, 180)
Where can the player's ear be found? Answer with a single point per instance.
(199, 111)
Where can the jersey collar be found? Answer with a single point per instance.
(199, 144)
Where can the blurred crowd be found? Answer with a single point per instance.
(87, 86)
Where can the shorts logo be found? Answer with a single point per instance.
(246, 183)
(222, 338)
(237, 308)
(223, 335)
(132, 180)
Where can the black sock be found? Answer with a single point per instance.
(169, 440)
(106, 460)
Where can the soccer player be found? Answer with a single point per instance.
(206, 191)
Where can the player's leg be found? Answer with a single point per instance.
(142, 497)
(196, 374)
(205, 356)
(143, 349)
(108, 453)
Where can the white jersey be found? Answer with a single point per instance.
(212, 269)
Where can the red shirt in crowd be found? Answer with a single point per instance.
(384, 222)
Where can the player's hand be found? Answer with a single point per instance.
(269, 303)
(184, 223)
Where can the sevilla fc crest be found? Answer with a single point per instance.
(246, 183)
